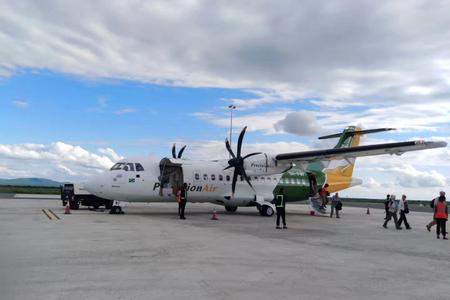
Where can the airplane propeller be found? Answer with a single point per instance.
(180, 153)
(237, 161)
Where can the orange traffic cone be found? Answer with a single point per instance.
(368, 211)
(214, 216)
(67, 209)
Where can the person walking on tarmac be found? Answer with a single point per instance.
(441, 217)
(182, 201)
(404, 209)
(335, 205)
(432, 205)
(386, 206)
(280, 205)
(393, 208)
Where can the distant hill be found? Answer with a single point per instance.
(30, 182)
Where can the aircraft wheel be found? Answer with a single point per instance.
(116, 210)
(231, 208)
(266, 211)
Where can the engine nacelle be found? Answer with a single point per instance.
(264, 164)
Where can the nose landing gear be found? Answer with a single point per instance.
(116, 209)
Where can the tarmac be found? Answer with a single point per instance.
(148, 253)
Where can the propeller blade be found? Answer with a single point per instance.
(239, 144)
(251, 154)
(181, 151)
(173, 151)
(228, 167)
(246, 178)
(227, 144)
(233, 184)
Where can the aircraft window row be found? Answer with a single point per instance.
(220, 177)
(128, 167)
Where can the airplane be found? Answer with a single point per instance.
(244, 180)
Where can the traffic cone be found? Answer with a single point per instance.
(214, 216)
(368, 211)
(67, 209)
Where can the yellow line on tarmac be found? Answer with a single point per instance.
(55, 215)
(47, 214)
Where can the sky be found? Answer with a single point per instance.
(84, 84)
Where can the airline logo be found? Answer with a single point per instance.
(206, 188)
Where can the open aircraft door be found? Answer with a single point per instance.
(170, 178)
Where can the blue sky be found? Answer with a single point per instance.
(84, 84)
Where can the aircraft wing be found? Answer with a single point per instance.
(368, 150)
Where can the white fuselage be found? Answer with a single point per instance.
(207, 181)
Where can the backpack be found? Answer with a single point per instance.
(339, 205)
(406, 210)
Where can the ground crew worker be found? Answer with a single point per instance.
(441, 216)
(280, 205)
(386, 206)
(183, 200)
(433, 204)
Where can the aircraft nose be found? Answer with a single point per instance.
(94, 185)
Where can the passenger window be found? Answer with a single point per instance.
(139, 167)
(256, 177)
(220, 177)
(213, 177)
(197, 176)
(228, 177)
(130, 166)
(205, 176)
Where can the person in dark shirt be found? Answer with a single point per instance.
(280, 205)
(182, 201)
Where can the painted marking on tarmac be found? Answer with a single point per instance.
(50, 214)
(55, 215)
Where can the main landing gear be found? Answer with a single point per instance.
(231, 208)
(265, 210)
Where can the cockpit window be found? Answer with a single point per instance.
(130, 167)
(139, 167)
(117, 166)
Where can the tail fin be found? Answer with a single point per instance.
(340, 177)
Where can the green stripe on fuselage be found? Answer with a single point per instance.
(295, 182)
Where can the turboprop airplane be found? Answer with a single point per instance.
(244, 180)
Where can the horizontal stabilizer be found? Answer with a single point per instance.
(351, 133)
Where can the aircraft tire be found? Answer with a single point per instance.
(230, 208)
(116, 210)
(266, 211)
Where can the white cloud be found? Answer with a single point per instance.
(124, 111)
(346, 52)
(57, 160)
(21, 103)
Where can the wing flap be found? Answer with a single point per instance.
(368, 150)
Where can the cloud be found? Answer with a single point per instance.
(56, 160)
(300, 123)
(21, 104)
(338, 53)
(125, 111)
